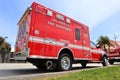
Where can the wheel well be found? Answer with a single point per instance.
(67, 51)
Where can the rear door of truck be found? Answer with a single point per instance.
(23, 32)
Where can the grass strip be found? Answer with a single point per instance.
(107, 73)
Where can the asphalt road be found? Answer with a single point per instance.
(21, 71)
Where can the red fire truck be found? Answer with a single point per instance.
(49, 39)
(114, 56)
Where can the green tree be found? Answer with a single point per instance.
(5, 48)
(1, 40)
(104, 41)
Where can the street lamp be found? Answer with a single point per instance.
(6, 37)
(115, 37)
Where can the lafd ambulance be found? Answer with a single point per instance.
(49, 39)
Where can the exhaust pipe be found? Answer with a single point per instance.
(49, 64)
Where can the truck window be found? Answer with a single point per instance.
(92, 44)
(77, 34)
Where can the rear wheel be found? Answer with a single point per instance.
(105, 61)
(64, 62)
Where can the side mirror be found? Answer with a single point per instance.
(98, 46)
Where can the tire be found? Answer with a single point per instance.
(83, 65)
(105, 61)
(64, 62)
(111, 62)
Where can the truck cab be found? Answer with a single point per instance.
(98, 54)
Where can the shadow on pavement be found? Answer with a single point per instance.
(17, 72)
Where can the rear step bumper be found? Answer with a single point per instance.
(20, 56)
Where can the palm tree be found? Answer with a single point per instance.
(103, 41)
(4, 48)
(1, 40)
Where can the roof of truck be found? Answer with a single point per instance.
(34, 3)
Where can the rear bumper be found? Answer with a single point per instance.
(20, 56)
(115, 59)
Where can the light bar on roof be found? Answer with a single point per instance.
(49, 13)
(60, 16)
(67, 20)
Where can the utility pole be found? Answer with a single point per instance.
(115, 37)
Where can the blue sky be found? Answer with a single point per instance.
(102, 16)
